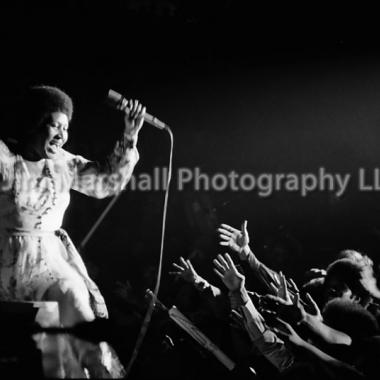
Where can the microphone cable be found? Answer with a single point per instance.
(149, 312)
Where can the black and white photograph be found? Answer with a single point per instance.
(189, 190)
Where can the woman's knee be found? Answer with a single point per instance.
(74, 301)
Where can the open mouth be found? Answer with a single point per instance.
(54, 146)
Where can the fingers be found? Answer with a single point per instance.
(274, 299)
(229, 228)
(223, 261)
(175, 273)
(224, 264)
(184, 270)
(230, 262)
(178, 272)
(225, 232)
(219, 265)
(135, 109)
(220, 275)
(312, 303)
(273, 287)
(294, 285)
(129, 107)
(244, 227)
(284, 293)
(133, 106)
(297, 299)
(190, 265)
(269, 315)
(283, 328)
(286, 326)
(283, 334)
(178, 267)
(225, 237)
(184, 264)
(183, 261)
(270, 297)
(138, 108)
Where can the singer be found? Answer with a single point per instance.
(38, 261)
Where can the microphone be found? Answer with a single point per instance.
(118, 101)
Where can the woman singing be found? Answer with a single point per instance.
(38, 261)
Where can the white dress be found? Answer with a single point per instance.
(35, 253)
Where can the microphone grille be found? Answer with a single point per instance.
(114, 99)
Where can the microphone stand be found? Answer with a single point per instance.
(186, 325)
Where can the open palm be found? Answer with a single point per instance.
(228, 273)
(237, 240)
(185, 270)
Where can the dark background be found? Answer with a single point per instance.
(244, 87)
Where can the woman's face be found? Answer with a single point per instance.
(50, 138)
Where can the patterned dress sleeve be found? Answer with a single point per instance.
(105, 178)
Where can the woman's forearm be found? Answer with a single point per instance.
(105, 178)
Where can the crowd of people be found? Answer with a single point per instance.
(326, 327)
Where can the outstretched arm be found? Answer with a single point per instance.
(328, 334)
(264, 339)
(215, 300)
(103, 179)
(286, 330)
(293, 311)
(185, 270)
(238, 241)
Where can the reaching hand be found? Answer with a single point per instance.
(312, 308)
(272, 302)
(287, 310)
(185, 271)
(291, 311)
(315, 273)
(280, 287)
(237, 240)
(134, 118)
(226, 270)
(287, 332)
(283, 291)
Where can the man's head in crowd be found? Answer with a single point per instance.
(347, 279)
